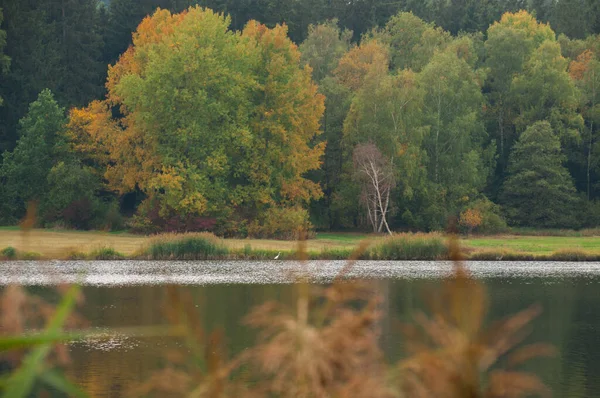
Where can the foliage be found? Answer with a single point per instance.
(52, 45)
(539, 191)
(470, 218)
(288, 223)
(71, 196)
(323, 47)
(492, 221)
(9, 252)
(412, 41)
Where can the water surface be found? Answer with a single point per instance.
(131, 293)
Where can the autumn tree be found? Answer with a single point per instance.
(216, 123)
(376, 176)
(539, 190)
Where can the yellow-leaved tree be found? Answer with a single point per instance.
(215, 123)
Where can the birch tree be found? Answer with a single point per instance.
(376, 176)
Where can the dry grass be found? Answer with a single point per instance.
(59, 244)
(62, 244)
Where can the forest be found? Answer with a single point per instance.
(264, 118)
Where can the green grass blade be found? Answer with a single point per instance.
(58, 381)
(19, 384)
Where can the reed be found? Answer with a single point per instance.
(410, 247)
(191, 246)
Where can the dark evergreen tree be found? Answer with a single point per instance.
(539, 191)
(24, 171)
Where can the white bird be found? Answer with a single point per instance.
(277, 256)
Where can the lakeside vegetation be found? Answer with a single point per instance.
(88, 245)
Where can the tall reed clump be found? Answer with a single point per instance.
(410, 247)
(452, 354)
(190, 246)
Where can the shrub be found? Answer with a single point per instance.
(106, 253)
(487, 213)
(410, 247)
(192, 246)
(286, 223)
(9, 253)
(470, 218)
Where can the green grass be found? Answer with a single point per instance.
(534, 244)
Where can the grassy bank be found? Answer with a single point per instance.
(49, 244)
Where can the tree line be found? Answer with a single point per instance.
(352, 115)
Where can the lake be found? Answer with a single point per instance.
(131, 293)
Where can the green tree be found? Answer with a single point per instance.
(24, 171)
(544, 91)
(539, 190)
(459, 163)
(509, 46)
(71, 195)
(386, 112)
(322, 49)
(412, 41)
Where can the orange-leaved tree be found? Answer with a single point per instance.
(213, 122)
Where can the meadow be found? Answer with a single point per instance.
(63, 244)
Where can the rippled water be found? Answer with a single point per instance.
(130, 293)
